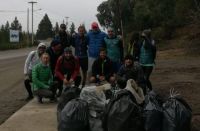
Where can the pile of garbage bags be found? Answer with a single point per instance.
(125, 109)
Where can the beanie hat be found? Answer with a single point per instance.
(55, 41)
(94, 25)
(68, 49)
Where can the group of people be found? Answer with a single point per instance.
(98, 55)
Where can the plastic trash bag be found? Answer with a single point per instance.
(153, 112)
(74, 116)
(69, 94)
(95, 98)
(177, 115)
(123, 113)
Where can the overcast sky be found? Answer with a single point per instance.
(78, 11)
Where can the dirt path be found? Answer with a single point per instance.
(182, 74)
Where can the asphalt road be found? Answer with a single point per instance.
(12, 91)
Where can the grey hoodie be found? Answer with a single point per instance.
(32, 59)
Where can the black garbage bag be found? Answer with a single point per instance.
(177, 115)
(67, 95)
(123, 114)
(74, 116)
(153, 112)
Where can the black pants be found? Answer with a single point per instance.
(147, 72)
(46, 93)
(27, 84)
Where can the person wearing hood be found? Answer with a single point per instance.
(114, 48)
(32, 59)
(147, 55)
(95, 42)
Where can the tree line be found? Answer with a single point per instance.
(163, 16)
(45, 30)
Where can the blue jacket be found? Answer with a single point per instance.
(96, 41)
(80, 44)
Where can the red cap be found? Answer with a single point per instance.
(94, 25)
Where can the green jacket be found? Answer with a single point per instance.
(114, 48)
(41, 76)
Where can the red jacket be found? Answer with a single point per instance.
(68, 67)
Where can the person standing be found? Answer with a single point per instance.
(55, 51)
(67, 69)
(95, 42)
(42, 77)
(64, 36)
(147, 55)
(133, 46)
(80, 43)
(32, 59)
(114, 48)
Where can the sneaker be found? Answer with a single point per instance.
(29, 98)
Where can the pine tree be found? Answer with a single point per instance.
(45, 29)
(72, 28)
(15, 25)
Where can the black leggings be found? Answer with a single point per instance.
(147, 72)
(27, 84)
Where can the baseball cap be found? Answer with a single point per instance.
(94, 25)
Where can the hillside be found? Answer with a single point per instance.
(185, 42)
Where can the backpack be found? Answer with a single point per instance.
(74, 116)
(123, 114)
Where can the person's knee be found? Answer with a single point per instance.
(112, 79)
(92, 79)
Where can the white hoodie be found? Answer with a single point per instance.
(32, 59)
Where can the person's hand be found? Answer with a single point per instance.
(101, 78)
(70, 81)
(65, 81)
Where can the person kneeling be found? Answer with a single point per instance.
(102, 69)
(43, 80)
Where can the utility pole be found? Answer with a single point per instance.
(32, 2)
(27, 26)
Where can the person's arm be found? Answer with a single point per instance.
(94, 69)
(27, 62)
(58, 71)
(36, 81)
(76, 70)
(120, 73)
